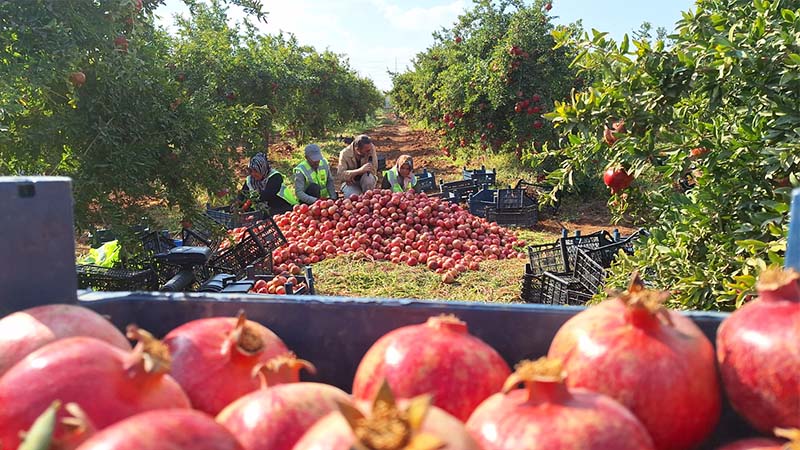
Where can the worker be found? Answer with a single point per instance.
(265, 185)
(400, 178)
(312, 177)
(358, 167)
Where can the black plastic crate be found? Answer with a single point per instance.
(381, 163)
(587, 242)
(426, 182)
(480, 176)
(107, 279)
(513, 199)
(589, 274)
(547, 258)
(234, 257)
(531, 286)
(228, 219)
(479, 201)
(460, 189)
(520, 217)
(535, 190)
(155, 242)
(562, 289)
(268, 234)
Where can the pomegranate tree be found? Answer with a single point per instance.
(546, 414)
(387, 425)
(758, 353)
(214, 359)
(404, 228)
(458, 369)
(166, 429)
(107, 383)
(25, 331)
(656, 362)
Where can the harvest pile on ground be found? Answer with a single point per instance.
(404, 228)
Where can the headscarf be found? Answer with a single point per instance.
(401, 161)
(260, 164)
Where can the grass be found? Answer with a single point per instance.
(496, 282)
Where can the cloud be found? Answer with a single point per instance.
(420, 19)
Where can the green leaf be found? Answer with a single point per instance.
(623, 47)
(788, 15)
(40, 434)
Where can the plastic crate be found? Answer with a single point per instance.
(460, 189)
(587, 242)
(589, 274)
(562, 289)
(155, 242)
(381, 163)
(535, 190)
(426, 182)
(531, 286)
(520, 217)
(106, 279)
(479, 201)
(547, 258)
(513, 199)
(480, 176)
(268, 234)
(229, 220)
(235, 257)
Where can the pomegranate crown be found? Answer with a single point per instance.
(389, 427)
(152, 352)
(637, 296)
(543, 369)
(774, 278)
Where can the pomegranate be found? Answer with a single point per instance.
(655, 362)
(276, 418)
(73, 429)
(793, 434)
(107, 383)
(214, 359)
(617, 179)
(384, 425)
(698, 152)
(758, 355)
(77, 78)
(25, 331)
(166, 429)
(548, 415)
(458, 369)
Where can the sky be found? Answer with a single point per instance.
(382, 35)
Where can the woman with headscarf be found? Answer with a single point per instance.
(400, 178)
(265, 184)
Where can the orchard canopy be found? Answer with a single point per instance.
(95, 91)
(704, 122)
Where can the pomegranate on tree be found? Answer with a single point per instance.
(25, 331)
(107, 383)
(617, 179)
(656, 362)
(277, 417)
(458, 369)
(165, 429)
(758, 353)
(77, 78)
(215, 359)
(387, 425)
(546, 414)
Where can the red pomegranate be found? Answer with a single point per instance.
(214, 359)
(758, 350)
(458, 369)
(617, 179)
(109, 384)
(656, 362)
(166, 429)
(276, 418)
(548, 415)
(388, 426)
(25, 331)
(792, 434)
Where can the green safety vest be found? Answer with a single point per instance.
(394, 180)
(319, 176)
(283, 193)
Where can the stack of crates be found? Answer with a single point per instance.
(513, 207)
(480, 176)
(426, 181)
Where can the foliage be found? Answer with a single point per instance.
(159, 118)
(486, 82)
(728, 86)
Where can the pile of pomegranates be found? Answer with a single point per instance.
(404, 228)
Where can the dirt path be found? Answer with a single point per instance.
(397, 138)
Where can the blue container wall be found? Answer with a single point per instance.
(335, 333)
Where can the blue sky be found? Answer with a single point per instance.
(377, 35)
